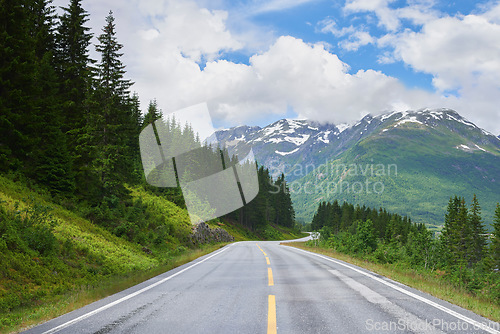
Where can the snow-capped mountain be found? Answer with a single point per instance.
(437, 154)
(287, 143)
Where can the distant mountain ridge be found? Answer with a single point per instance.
(438, 154)
(289, 141)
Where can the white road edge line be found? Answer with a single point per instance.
(411, 294)
(407, 319)
(105, 307)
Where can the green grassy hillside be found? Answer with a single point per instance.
(54, 260)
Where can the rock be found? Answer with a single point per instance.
(203, 234)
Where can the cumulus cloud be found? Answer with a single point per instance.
(356, 36)
(387, 17)
(417, 11)
(462, 53)
(163, 52)
(356, 40)
(329, 25)
(458, 51)
(307, 78)
(265, 6)
(174, 49)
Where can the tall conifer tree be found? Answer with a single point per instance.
(111, 119)
(17, 64)
(495, 240)
(478, 238)
(52, 159)
(74, 64)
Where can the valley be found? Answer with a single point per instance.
(408, 162)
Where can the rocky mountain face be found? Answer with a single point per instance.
(437, 154)
(286, 143)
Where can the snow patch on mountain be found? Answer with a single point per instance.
(438, 115)
(342, 127)
(324, 138)
(463, 121)
(469, 149)
(286, 153)
(412, 119)
(479, 147)
(297, 140)
(275, 140)
(267, 131)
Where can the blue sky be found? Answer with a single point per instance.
(306, 20)
(257, 61)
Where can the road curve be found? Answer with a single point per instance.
(264, 287)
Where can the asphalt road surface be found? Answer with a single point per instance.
(265, 287)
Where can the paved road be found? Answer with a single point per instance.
(265, 287)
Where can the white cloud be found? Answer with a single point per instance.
(313, 82)
(386, 16)
(264, 6)
(194, 31)
(164, 40)
(462, 53)
(417, 11)
(307, 78)
(329, 25)
(357, 37)
(357, 40)
(458, 51)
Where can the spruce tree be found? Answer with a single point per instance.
(285, 214)
(450, 232)
(495, 240)
(464, 244)
(134, 128)
(318, 221)
(110, 120)
(478, 237)
(152, 113)
(74, 66)
(50, 161)
(17, 84)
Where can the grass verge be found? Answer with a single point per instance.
(429, 282)
(55, 306)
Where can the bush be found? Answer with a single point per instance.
(28, 229)
(40, 239)
(389, 253)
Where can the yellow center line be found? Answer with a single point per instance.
(261, 250)
(270, 275)
(267, 260)
(271, 315)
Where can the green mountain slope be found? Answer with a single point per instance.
(410, 164)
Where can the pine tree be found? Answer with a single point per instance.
(51, 158)
(285, 214)
(111, 70)
(495, 240)
(318, 221)
(478, 232)
(42, 26)
(74, 66)
(450, 233)
(134, 128)
(152, 114)
(110, 120)
(17, 84)
(465, 241)
(51, 162)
